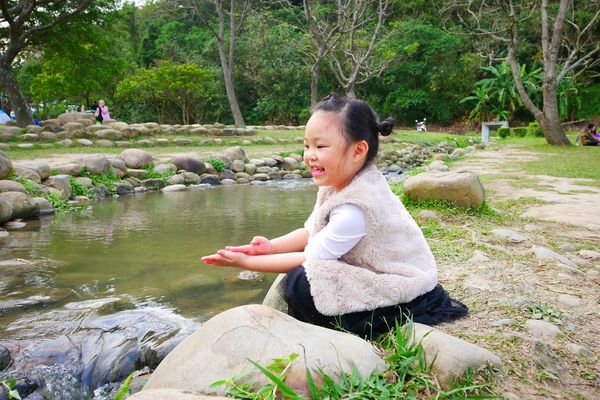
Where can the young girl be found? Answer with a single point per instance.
(360, 263)
(102, 112)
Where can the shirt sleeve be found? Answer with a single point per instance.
(347, 225)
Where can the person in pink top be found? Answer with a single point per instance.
(102, 112)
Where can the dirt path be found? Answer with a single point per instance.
(506, 284)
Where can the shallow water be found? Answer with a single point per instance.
(146, 249)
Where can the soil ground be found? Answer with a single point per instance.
(505, 285)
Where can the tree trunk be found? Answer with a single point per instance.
(314, 85)
(15, 97)
(231, 97)
(350, 92)
(550, 121)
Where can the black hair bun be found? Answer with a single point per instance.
(386, 126)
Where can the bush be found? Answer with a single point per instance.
(503, 132)
(534, 129)
(518, 132)
(218, 165)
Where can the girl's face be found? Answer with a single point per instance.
(332, 161)
(101, 103)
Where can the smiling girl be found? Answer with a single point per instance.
(360, 263)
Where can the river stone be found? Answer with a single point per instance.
(579, 350)
(226, 160)
(135, 158)
(292, 176)
(438, 166)
(42, 168)
(10, 130)
(275, 175)
(6, 211)
(84, 142)
(11, 186)
(72, 126)
(228, 182)
(123, 188)
(72, 169)
(275, 297)
(462, 188)
(86, 122)
(61, 183)
(235, 153)
(210, 179)
(238, 166)
(67, 117)
(5, 359)
(104, 143)
(5, 165)
(153, 184)
(118, 125)
(569, 300)
(95, 164)
(65, 143)
(270, 162)
(261, 177)
(589, 255)
(306, 174)
(29, 137)
(46, 207)
(452, 357)
(428, 215)
(165, 168)
(263, 170)
(178, 179)
(182, 142)
(250, 169)
(509, 235)
(191, 178)
(22, 205)
(541, 329)
(190, 164)
(227, 174)
(223, 344)
(174, 188)
(290, 164)
(243, 175)
(171, 394)
(544, 254)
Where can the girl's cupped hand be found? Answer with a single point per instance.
(226, 258)
(258, 246)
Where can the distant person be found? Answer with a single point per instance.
(589, 136)
(102, 112)
(12, 114)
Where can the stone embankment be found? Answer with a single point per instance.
(80, 129)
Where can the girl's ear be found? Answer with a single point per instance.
(361, 148)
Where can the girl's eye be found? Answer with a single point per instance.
(321, 146)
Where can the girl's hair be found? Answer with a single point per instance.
(590, 126)
(359, 121)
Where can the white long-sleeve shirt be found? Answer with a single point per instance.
(347, 225)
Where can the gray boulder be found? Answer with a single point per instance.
(135, 158)
(174, 188)
(190, 164)
(105, 143)
(11, 186)
(72, 169)
(22, 205)
(290, 164)
(224, 344)
(238, 166)
(84, 142)
(62, 183)
(235, 153)
(28, 173)
(275, 297)
(95, 164)
(462, 188)
(72, 126)
(41, 167)
(227, 174)
(6, 212)
(210, 179)
(178, 179)
(5, 165)
(45, 206)
(111, 134)
(191, 178)
(73, 117)
(165, 168)
(123, 188)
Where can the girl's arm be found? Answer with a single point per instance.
(279, 263)
(292, 242)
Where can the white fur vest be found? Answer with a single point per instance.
(391, 265)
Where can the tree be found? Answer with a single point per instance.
(230, 25)
(568, 39)
(26, 24)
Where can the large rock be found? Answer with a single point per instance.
(135, 158)
(235, 153)
(73, 117)
(190, 164)
(95, 164)
(72, 126)
(22, 205)
(5, 165)
(110, 134)
(171, 394)
(41, 167)
(462, 188)
(72, 169)
(275, 297)
(11, 186)
(452, 357)
(62, 183)
(222, 346)
(6, 211)
(24, 172)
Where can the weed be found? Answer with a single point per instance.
(544, 312)
(124, 390)
(30, 186)
(218, 165)
(77, 189)
(107, 180)
(9, 384)
(59, 205)
(152, 174)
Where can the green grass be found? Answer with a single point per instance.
(567, 162)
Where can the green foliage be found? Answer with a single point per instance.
(123, 392)
(590, 101)
(29, 185)
(59, 205)
(217, 164)
(544, 312)
(533, 129)
(518, 132)
(77, 189)
(9, 384)
(107, 180)
(503, 132)
(152, 174)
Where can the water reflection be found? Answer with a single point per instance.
(146, 248)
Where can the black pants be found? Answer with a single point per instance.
(430, 308)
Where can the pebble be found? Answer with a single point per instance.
(569, 248)
(542, 253)
(589, 255)
(427, 215)
(569, 300)
(14, 225)
(502, 322)
(574, 348)
(509, 235)
(541, 329)
(250, 276)
(4, 233)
